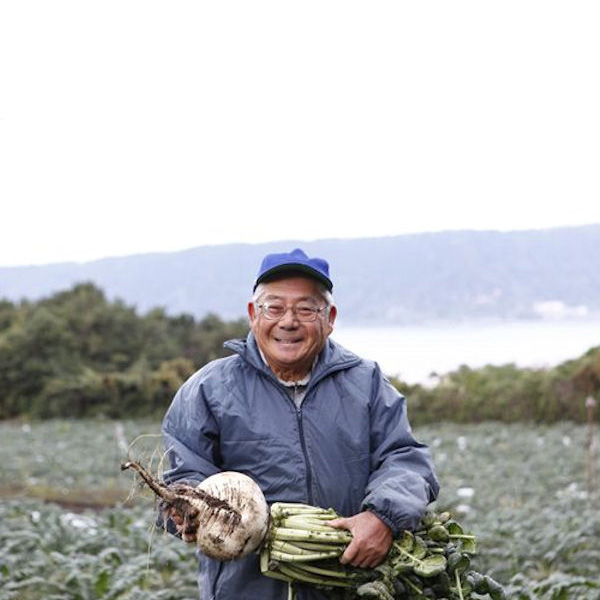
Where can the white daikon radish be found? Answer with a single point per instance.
(229, 507)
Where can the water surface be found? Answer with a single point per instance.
(414, 352)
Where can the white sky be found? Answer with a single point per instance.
(136, 126)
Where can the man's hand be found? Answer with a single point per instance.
(371, 539)
(186, 523)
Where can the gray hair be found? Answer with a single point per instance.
(325, 294)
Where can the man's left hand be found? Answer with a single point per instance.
(371, 539)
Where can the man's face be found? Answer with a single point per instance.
(288, 344)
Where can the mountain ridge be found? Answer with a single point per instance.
(403, 279)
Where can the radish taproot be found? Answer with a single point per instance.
(229, 507)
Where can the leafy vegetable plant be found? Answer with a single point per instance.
(432, 562)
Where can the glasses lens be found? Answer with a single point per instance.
(306, 313)
(273, 311)
(302, 312)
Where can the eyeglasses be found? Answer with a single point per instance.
(274, 311)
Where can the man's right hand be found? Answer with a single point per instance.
(186, 523)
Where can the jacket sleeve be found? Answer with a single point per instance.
(190, 439)
(402, 481)
(190, 434)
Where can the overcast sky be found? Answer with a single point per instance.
(137, 126)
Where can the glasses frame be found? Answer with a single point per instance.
(316, 312)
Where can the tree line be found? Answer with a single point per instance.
(77, 354)
(510, 394)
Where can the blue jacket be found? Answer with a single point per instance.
(349, 446)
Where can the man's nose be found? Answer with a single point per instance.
(289, 319)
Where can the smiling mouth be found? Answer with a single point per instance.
(286, 341)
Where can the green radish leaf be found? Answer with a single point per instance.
(468, 545)
(478, 582)
(402, 567)
(420, 549)
(443, 583)
(438, 533)
(466, 587)
(454, 528)
(444, 517)
(407, 541)
(429, 518)
(458, 562)
(430, 566)
(495, 590)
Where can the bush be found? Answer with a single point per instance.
(507, 393)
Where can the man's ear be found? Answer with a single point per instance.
(332, 315)
(251, 312)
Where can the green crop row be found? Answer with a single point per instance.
(529, 493)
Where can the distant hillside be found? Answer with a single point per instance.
(401, 279)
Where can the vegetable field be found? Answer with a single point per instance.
(73, 526)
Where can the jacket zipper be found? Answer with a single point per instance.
(298, 410)
(309, 475)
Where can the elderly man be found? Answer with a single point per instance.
(308, 420)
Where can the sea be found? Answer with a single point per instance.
(413, 353)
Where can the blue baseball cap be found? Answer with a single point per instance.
(296, 261)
